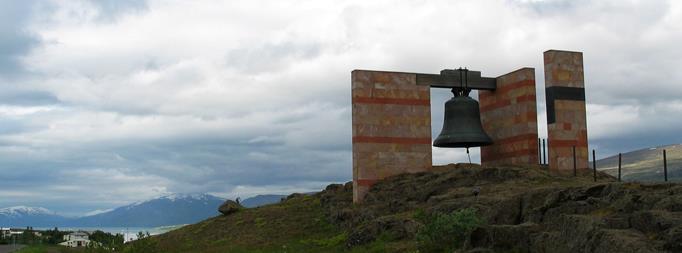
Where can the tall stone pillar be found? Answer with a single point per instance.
(509, 116)
(566, 112)
(391, 127)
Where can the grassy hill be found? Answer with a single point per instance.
(517, 210)
(646, 164)
(261, 200)
(291, 226)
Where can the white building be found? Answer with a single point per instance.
(76, 239)
(5, 232)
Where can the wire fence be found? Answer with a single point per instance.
(542, 160)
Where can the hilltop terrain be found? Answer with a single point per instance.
(261, 200)
(646, 164)
(523, 209)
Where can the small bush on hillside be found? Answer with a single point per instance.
(260, 222)
(445, 232)
(327, 242)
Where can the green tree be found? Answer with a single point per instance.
(107, 240)
(53, 236)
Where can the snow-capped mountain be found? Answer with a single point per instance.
(173, 209)
(20, 216)
(163, 211)
(98, 211)
(19, 211)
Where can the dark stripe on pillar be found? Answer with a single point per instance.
(561, 93)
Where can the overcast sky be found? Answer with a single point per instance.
(107, 102)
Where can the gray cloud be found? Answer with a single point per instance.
(269, 57)
(110, 11)
(130, 100)
(28, 98)
(15, 39)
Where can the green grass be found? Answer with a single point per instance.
(297, 225)
(33, 249)
(50, 249)
(446, 232)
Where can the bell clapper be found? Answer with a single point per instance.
(468, 155)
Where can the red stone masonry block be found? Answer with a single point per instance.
(394, 140)
(509, 116)
(391, 127)
(394, 101)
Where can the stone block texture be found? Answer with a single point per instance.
(391, 127)
(566, 113)
(509, 116)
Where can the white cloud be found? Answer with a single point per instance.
(246, 97)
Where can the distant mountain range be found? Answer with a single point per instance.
(22, 216)
(163, 211)
(262, 200)
(168, 210)
(646, 164)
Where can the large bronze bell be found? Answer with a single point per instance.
(462, 124)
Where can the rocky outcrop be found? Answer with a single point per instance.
(229, 207)
(526, 209)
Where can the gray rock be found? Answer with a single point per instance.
(229, 207)
(503, 237)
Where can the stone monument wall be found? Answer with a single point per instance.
(391, 120)
(566, 112)
(391, 127)
(509, 116)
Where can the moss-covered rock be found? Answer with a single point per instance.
(229, 207)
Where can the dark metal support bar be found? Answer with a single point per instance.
(575, 166)
(594, 164)
(620, 159)
(449, 78)
(665, 166)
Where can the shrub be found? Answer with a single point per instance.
(445, 232)
(327, 242)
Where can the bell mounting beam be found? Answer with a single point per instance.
(449, 78)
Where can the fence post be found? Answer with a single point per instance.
(665, 166)
(594, 164)
(575, 166)
(619, 165)
(544, 151)
(539, 151)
